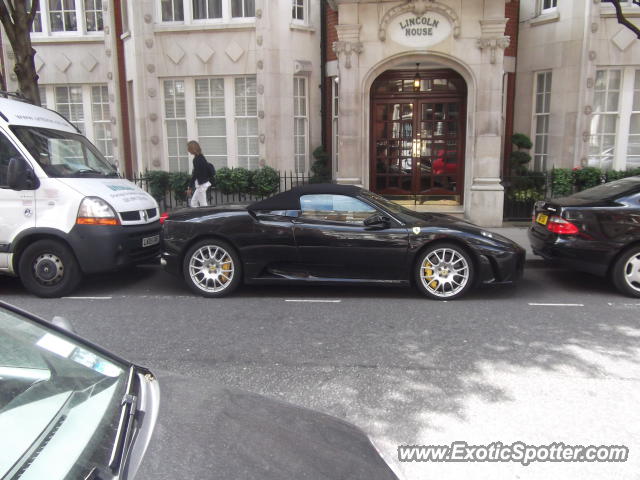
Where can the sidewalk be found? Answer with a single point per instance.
(518, 233)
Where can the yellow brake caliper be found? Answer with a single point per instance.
(429, 273)
(225, 269)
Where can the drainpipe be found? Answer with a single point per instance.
(122, 89)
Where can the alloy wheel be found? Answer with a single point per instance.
(444, 272)
(632, 272)
(211, 268)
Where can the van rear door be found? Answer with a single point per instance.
(17, 208)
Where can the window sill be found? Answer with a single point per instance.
(607, 11)
(545, 18)
(205, 27)
(37, 40)
(302, 27)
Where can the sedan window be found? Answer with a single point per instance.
(335, 208)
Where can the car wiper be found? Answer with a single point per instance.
(89, 171)
(124, 432)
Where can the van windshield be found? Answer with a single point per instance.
(64, 154)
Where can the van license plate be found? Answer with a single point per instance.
(149, 241)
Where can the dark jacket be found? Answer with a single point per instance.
(200, 171)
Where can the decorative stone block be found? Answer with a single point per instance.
(234, 51)
(89, 62)
(62, 63)
(204, 52)
(175, 53)
(623, 39)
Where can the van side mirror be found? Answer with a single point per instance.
(20, 175)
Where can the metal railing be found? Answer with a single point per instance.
(170, 199)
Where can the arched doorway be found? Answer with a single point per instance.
(418, 135)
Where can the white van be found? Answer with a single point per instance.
(64, 210)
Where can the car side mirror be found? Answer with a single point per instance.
(20, 175)
(377, 220)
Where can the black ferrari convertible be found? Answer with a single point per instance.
(333, 234)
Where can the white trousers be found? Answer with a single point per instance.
(199, 198)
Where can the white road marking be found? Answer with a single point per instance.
(557, 304)
(88, 298)
(301, 300)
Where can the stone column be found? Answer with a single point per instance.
(485, 205)
(348, 48)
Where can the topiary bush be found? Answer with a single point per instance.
(519, 159)
(158, 183)
(233, 180)
(321, 173)
(265, 181)
(561, 182)
(179, 182)
(587, 177)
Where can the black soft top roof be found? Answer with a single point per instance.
(290, 200)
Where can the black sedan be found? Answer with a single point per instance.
(596, 231)
(334, 234)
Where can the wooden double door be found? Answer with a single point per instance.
(417, 134)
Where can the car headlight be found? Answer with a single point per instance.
(95, 211)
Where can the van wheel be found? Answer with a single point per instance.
(626, 272)
(47, 268)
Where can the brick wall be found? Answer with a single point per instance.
(511, 12)
(332, 35)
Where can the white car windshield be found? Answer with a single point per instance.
(64, 154)
(59, 402)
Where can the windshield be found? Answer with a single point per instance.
(609, 190)
(59, 403)
(404, 213)
(64, 154)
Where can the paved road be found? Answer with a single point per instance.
(503, 364)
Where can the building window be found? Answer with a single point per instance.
(335, 90)
(70, 104)
(246, 109)
(243, 8)
(36, 27)
(68, 17)
(300, 124)
(604, 122)
(541, 110)
(176, 125)
(211, 119)
(87, 107)
(93, 15)
(172, 10)
(633, 139)
(62, 14)
(220, 112)
(298, 10)
(206, 9)
(548, 6)
(188, 11)
(101, 118)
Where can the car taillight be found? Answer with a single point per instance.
(561, 226)
(163, 217)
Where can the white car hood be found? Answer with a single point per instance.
(121, 194)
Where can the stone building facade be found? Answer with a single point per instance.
(422, 89)
(578, 84)
(413, 99)
(141, 77)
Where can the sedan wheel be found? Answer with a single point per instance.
(212, 268)
(626, 272)
(444, 272)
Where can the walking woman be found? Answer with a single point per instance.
(199, 177)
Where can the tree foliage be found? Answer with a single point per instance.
(17, 18)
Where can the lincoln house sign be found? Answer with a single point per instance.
(424, 30)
